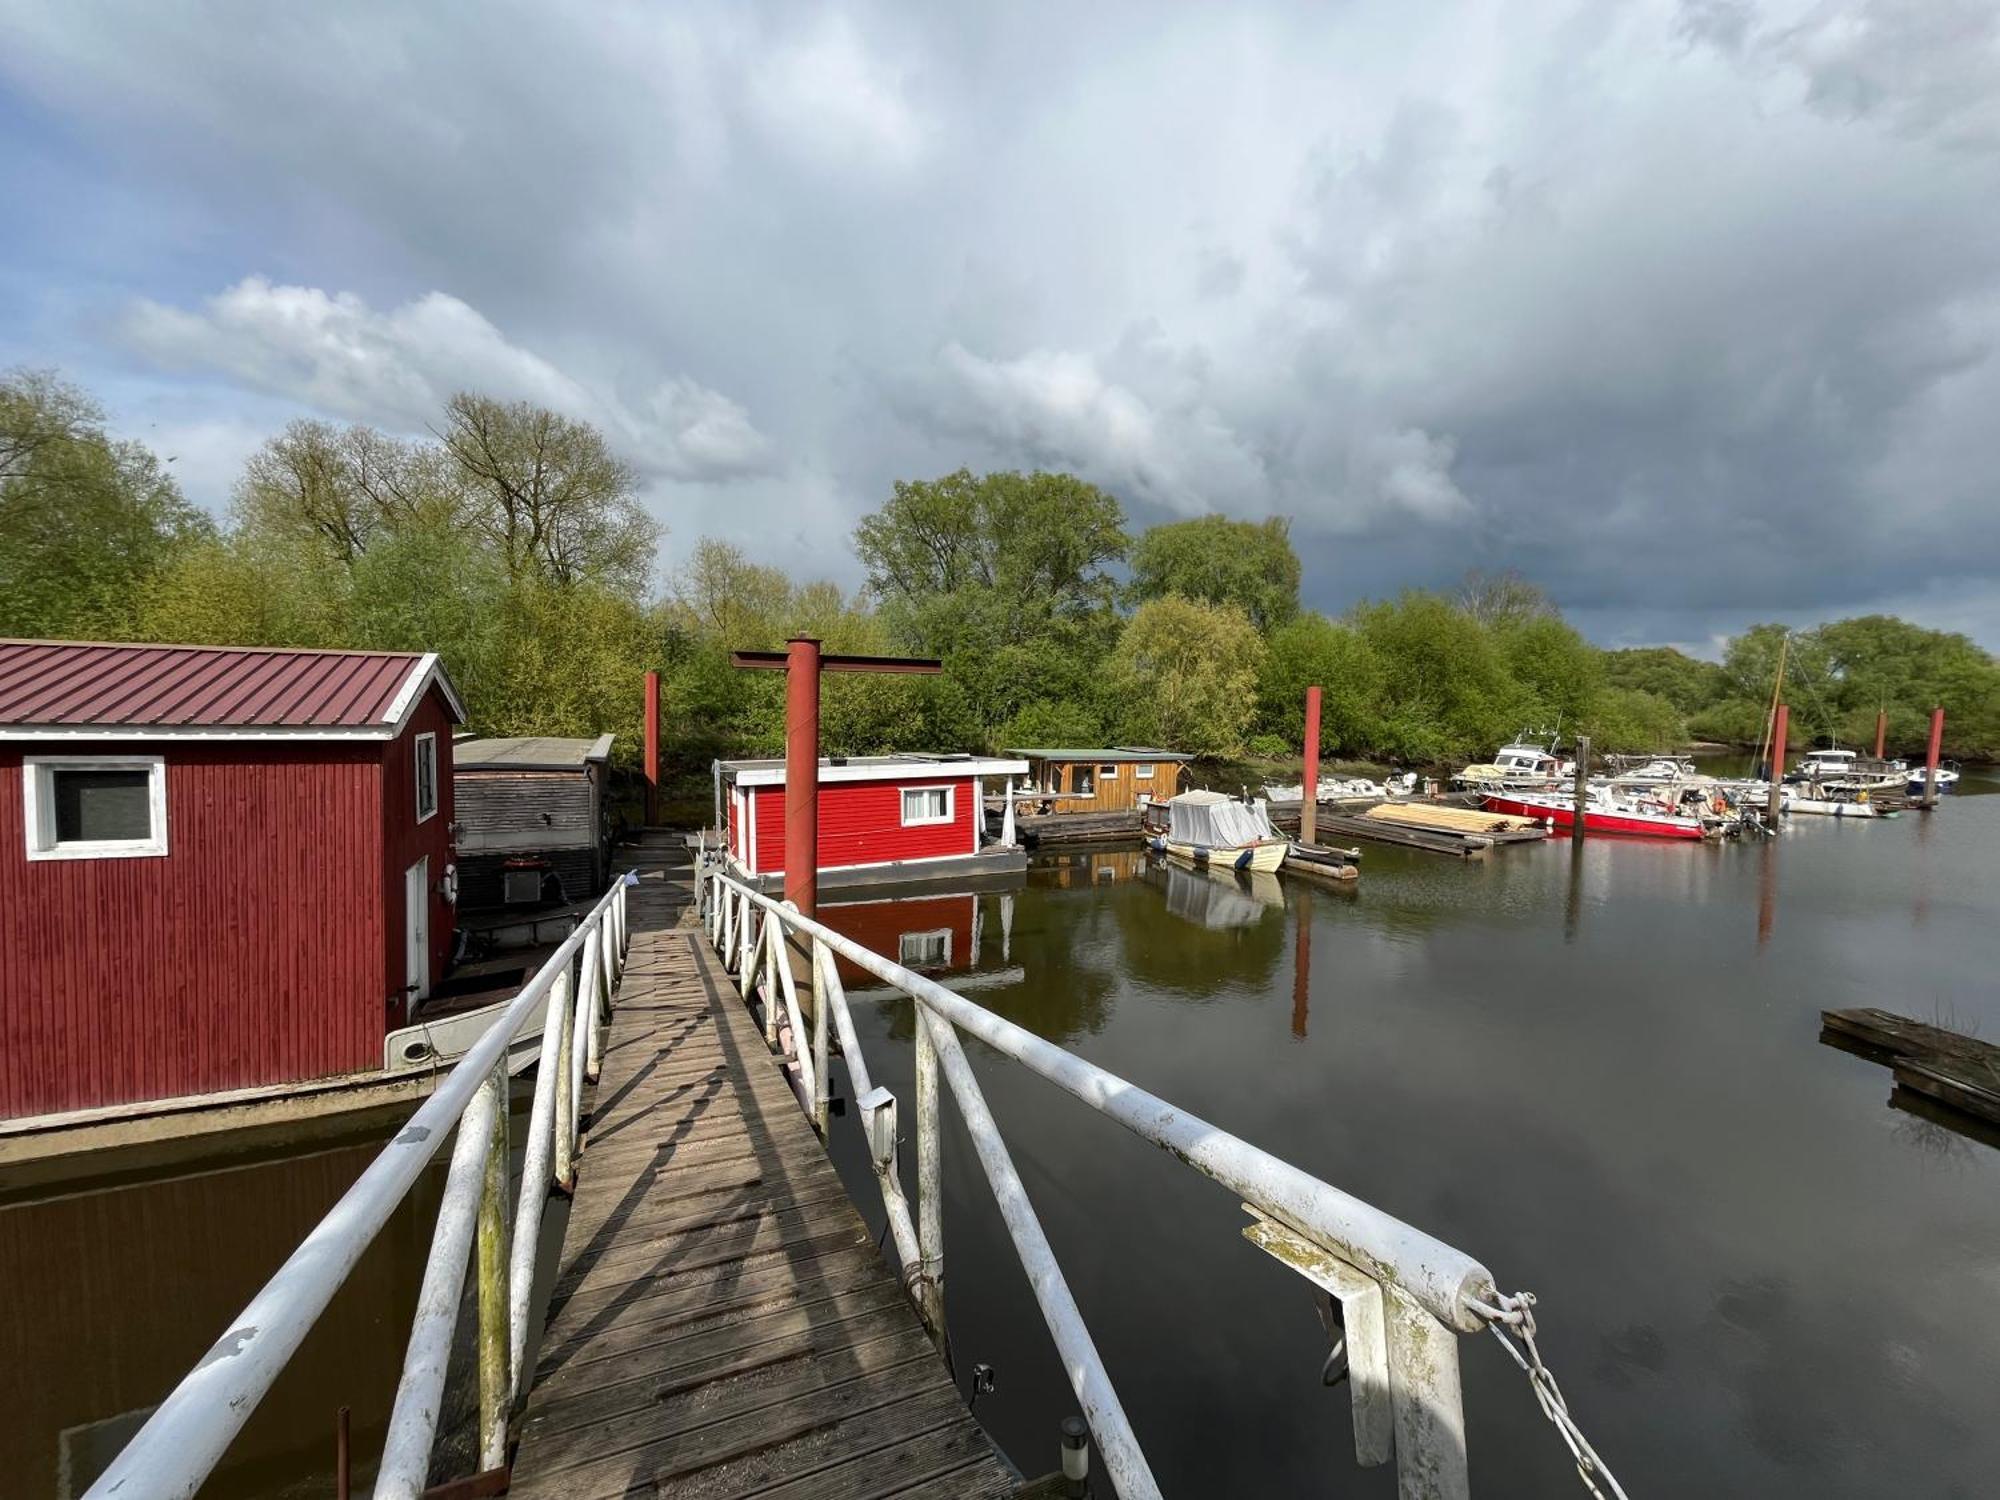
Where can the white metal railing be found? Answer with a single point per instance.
(188, 1434)
(1404, 1296)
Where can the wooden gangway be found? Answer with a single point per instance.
(722, 1323)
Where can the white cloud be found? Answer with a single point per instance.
(335, 354)
(827, 96)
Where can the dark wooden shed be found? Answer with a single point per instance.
(533, 825)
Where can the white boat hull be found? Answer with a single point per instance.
(1266, 856)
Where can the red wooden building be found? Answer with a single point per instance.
(881, 817)
(220, 868)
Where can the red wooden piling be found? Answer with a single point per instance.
(1931, 757)
(652, 748)
(1309, 789)
(802, 773)
(1779, 723)
(1881, 731)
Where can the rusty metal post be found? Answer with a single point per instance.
(1881, 731)
(1582, 785)
(496, 1379)
(343, 1472)
(1309, 787)
(802, 773)
(1780, 721)
(1931, 757)
(652, 748)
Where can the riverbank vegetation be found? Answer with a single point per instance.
(512, 541)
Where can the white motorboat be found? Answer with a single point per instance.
(1210, 829)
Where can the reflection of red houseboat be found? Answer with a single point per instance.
(962, 940)
(882, 819)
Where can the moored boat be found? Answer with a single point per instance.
(1602, 814)
(1210, 829)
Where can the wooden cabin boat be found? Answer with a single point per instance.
(1208, 828)
(1099, 781)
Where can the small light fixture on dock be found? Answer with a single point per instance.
(1075, 1457)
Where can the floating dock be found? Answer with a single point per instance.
(1946, 1067)
(722, 1323)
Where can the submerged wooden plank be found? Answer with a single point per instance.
(722, 1322)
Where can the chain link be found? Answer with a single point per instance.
(1516, 1315)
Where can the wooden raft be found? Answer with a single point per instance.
(1945, 1066)
(721, 1323)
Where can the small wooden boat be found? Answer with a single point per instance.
(1210, 829)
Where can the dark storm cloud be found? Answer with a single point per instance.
(1690, 311)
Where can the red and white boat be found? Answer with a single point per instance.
(1602, 815)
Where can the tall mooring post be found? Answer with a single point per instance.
(1309, 788)
(1780, 721)
(652, 748)
(802, 662)
(1881, 731)
(1931, 757)
(1582, 784)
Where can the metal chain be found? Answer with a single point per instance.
(1516, 1315)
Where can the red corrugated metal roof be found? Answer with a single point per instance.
(85, 685)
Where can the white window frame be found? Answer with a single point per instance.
(417, 774)
(904, 957)
(950, 806)
(39, 807)
(1143, 770)
(1107, 770)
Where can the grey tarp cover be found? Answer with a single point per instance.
(1214, 821)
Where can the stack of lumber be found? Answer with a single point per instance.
(1450, 819)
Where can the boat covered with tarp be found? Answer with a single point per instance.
(1208, 828)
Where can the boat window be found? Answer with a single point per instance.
(95, 806)
(926, 804)
(427, 776)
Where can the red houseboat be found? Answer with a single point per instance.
(221, 869)
(882, 819)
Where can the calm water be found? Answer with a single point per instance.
(1597, 1070)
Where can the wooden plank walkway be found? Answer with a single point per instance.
(722, 1323)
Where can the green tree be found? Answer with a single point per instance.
(1309, 651)
(86, 522)
(1684, 681)
(1249, 564)
(1185, 674)
(548, 493)
(1446, 690)
(1002, 576)
(1559, 673)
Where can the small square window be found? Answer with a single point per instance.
(94, 806)
(1143, 771)
(926, 804)
(427, 776)
(1107, 773)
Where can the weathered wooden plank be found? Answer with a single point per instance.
(723, 1324)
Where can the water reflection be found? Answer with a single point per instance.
(1635, 1122)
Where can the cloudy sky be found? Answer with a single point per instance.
(1689, 310)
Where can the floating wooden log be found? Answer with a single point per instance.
(1944, 1066)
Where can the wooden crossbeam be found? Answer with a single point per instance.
(777, 661)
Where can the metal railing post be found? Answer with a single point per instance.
(767, 987)
(822, 1084)
(600, 1005)
(537, 1163)
(496, 1377)
(1430, 1411)
(582, 1010)
(564, 1123)
(406, 1453)
(930, 1167)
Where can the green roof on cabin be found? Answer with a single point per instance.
(1121, 753)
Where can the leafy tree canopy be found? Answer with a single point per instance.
(1249, 564)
